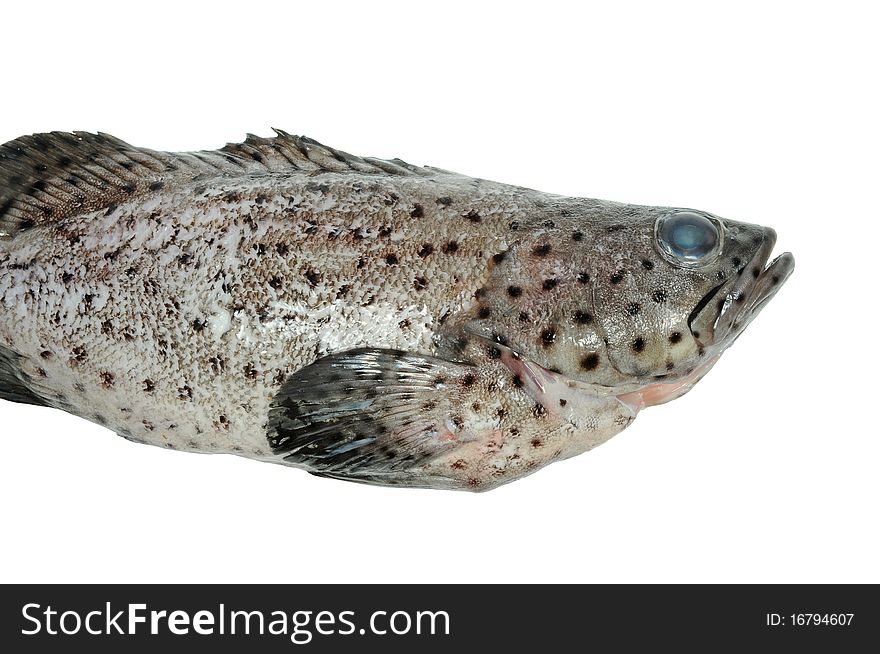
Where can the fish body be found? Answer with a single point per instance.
(362, 319)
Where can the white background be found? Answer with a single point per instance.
(765, 112)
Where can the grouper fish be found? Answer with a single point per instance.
(358, 318)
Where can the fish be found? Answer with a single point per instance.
(362, 319)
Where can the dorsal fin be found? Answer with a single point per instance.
(45, 178)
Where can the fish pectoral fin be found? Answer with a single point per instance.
(14, 386)
(370, 414)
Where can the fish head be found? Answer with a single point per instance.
(635, 301)
(681, 286)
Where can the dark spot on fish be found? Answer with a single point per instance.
(429, 406)
(583, 317)
(638, 345)
(590, 361)
(417, 212)
(313, 277)
(450, 248)
(250, 372)
(66, 277)
(469, 379)
(198, 325)
(498, 258)
(484, 312)
(149, 385)
(155, 186)
(670, 365)
(445, 201)
(701, 351)
(542, 250)
(513, 225)
(473, 216)
(524, 317)
(539, 411)
(549, 284)
(276, 282)
(79, 354)
(426, 249)
(736, 261)
(756, 272)
(775, 279)
(659, 295)
(548, 336)
(46, 354)
(392, 260)
(720, 275)
(583, 277)
(537, 442)
(493, 352)
(514, 291)
(517, 381)
(420, 283)
(577, 236)
(634, 308)
(460, 464)
(385, 232)
(108, 379)
(477, 407)
(282, 249)
(647, 264)
(185, 392)
(696, 334)
(617, 277)
(480, 292)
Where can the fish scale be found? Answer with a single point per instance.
(204, 301)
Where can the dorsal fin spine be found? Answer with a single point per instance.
(45, 178)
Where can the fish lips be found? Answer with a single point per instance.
(722, 315)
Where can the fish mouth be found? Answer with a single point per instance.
(740, 299)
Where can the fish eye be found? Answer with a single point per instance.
(687, 238)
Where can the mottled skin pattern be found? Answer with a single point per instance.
(175, 316)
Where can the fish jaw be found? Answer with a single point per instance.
(580, 403)
(662, 392)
